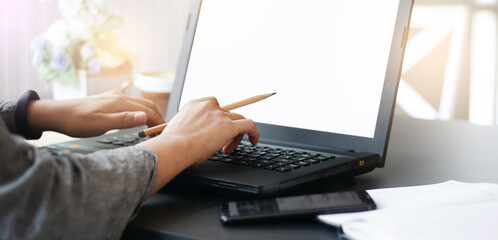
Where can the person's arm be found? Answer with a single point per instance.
(85, 117)
(93, 115)
(46, 195)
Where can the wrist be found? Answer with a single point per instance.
(173, 156)
(42, 115)
(172, 149)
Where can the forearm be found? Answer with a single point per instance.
(93, 115)
(47, 115)
(173, 156)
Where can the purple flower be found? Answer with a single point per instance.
(59, 61)
(39, 43)
(94, 66)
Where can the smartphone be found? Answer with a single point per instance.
(294, 206)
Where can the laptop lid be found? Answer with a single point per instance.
(335, 66)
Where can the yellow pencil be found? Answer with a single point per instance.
(229, 107)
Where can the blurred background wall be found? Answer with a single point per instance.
(152, 28)
(449, 70)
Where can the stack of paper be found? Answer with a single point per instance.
(450, 210)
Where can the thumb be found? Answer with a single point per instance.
(131, 119)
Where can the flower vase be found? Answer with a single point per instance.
(71, 90)
(108, 79)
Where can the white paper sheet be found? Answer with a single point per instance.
(450, 210)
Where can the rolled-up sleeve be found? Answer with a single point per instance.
(45, 195)
(8, 113)
(15, 115)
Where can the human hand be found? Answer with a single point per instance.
(93, 115)
(197, 132)
(209, 128)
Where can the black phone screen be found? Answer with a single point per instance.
(296, 205)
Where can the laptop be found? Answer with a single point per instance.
(335, 66)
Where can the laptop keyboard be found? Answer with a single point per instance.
(269, 158)
(264, 157)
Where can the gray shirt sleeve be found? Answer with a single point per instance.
(70, 196)
(7, 112)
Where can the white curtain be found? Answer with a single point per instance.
(20, 22)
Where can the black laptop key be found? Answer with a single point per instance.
(257, 165)
(254, 155)
(306, 156)
(270, 167)
(322, 158)
(285, 160)
(279, 164)
(283, 169)
(289, 160)
(312, 161)
(245, 151)
(241, 148)
(302, 163)
(266, 157)
(259, 148)
(273, 155)
(265, 161)
(293, 166)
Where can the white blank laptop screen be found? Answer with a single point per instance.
(326, 60)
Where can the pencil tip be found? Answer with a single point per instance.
(274, 93)
(141, 134)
